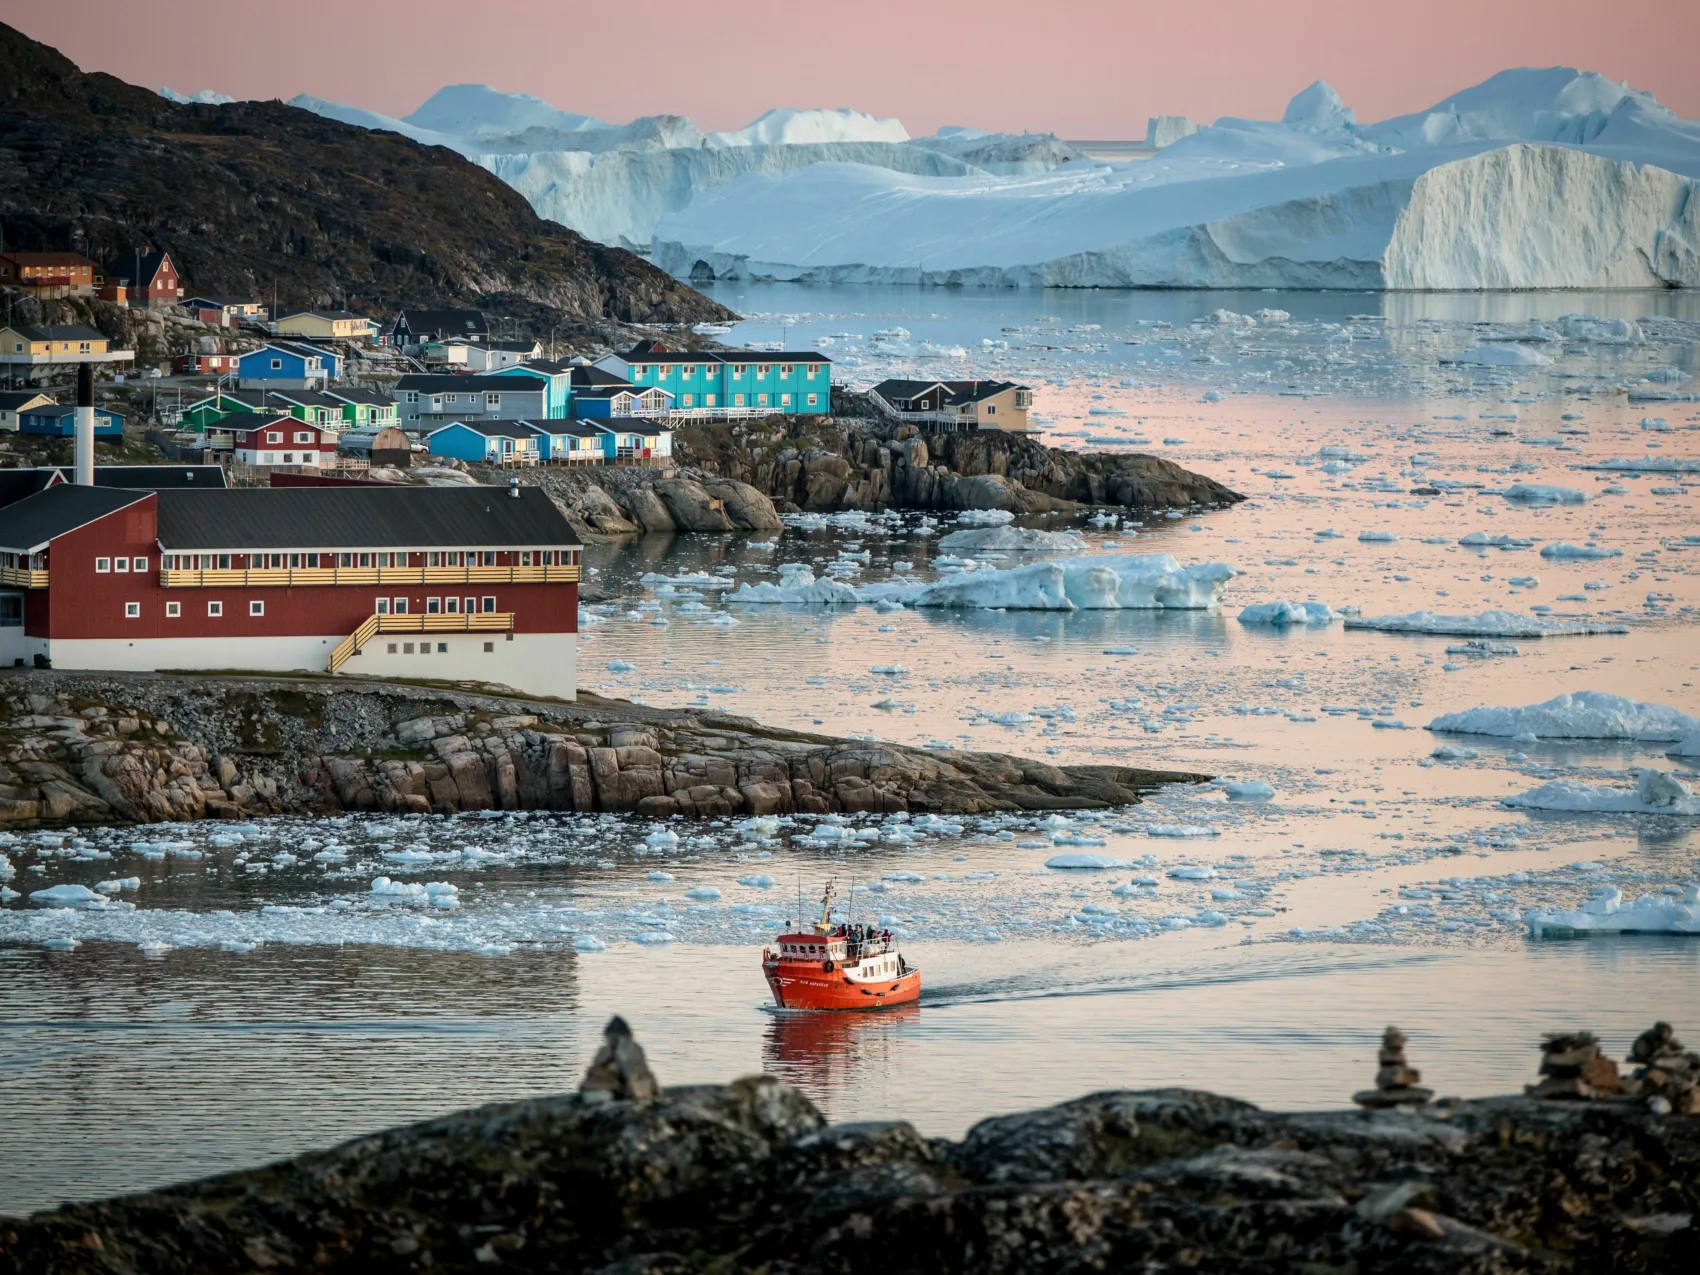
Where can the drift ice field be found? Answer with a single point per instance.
(1442, 662)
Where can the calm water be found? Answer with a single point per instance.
(291, 1006)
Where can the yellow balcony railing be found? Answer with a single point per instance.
(466, 622)
(24, 578)
(302, 577)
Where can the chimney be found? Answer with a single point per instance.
(513, 488)
(85, 425)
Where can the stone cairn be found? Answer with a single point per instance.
(1666, 1075)
(619, 1069)
(1395, 1080)
(1572, 1066)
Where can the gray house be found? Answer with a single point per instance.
(427, 402)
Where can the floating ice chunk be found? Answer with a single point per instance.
(59, 944)
(1655, 793)
(1193, 872)
(1210, 917)
(1689, 747)
(1500, 624)
(760, 882)
(1481, 540)
(1181, 830)
(1245, 789)
(902, 876)
(620, 666)
(1006, 539)
(65, 896)
(703, 894)
(1560, 550)
(1577, 715)
(589, 943)
(984, 518)
(1544, 494)
(493, 949)
(1605, 914)
(652, 938)
(1090, 861)
(1289, 613)
(153, 947)
(1651, 465)
(660, 876)
(1376, 537)
(1454, 752)
(661, 839)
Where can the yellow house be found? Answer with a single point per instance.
(323, 324)
(57, 343)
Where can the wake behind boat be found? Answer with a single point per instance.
(839, 966)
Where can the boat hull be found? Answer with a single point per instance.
(808, 986)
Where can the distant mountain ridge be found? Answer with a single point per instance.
(249, 195)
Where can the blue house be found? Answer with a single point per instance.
(557, 381)
(288, 365)
(605, 402)
(487, 442)
(59, 420)
(729, 382)
(571, 442)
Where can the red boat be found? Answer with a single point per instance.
(839, 966)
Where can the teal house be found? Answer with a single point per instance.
(729, 382)
(557, 381)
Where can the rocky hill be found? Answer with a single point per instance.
(256, 194)
(627, 1178)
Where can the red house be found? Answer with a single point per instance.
(144, 279)
(204, 364)
(283, 440)
(465, 584)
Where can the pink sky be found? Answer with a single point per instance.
(1079, 68)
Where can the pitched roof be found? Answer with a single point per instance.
(974, 391)
(445, 321)
(322, 314)
(56, 410)
(568, 425)
(137, 267)
(306, 398)
(646, 349)
(12, 400)
(491, 429)
(771, 356)
(587, 374)
(366, 517)
(372, 398)
(48, 258)
(258, 421)
(299, 349)
(57, 332)
(210, 299)
(15, 484)
(623, 387)
(137, 477)
(899, 388)
(29, 524)
(439, 382)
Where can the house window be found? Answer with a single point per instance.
(688, 372)
(737, 400)
(640, 370)
(442, 648)
(392, 648)
(761, 400)
(492, 401)
(274, 436)
(215, 609)
(814, 399)
(489, 606)
(256, 608)
(762, 370)
(103, 565)
(451, 606)
(472, 606)
(289, 458)
(173, 610)
(132, 610)
(400, 605)
(785, 400)
(991, 409)
(785, 370)
(690, 399)
(121, 564)
(433, 606)
(413, 396)
(662, 372)
(709, 399)
(382, 606)
(276, 364)
(738, 372)
(811, 371)
(302, 436)
(489, 647)
(268, 458)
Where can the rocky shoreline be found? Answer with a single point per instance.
(742, 476)
(625, 1177)
(86, 749)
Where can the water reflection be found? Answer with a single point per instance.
(827, 1054)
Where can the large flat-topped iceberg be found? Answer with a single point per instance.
(1605, 913)
(1580, 715)
(788, 126)
(1534, 179)
(1500, 624)
(1145, 582)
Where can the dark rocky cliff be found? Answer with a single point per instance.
(624, 1178)
(255, 193)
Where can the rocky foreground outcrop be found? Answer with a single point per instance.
(741, 476)
(627, 1178)
(143, 748)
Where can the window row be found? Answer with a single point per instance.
(437, 606)
(103, 566)
(396, 558)
(174, 610)
(687, 372)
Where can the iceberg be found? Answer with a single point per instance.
(1091, 861)
(1285, 613)
(1498, 355)
(788, 126)
(1579, 715)
(1544, 494)
(1583, 553)
(1006, 539)
(1650, 465)
(1489, 624)
(1606, 914)
(1655, 793)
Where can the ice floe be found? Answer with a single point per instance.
(1289, 613)
(1655, 793)
(1489, 624)
(1605, 913)
(1576, 715)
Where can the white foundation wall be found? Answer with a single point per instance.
(535, 663)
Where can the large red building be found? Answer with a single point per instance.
(464, 584)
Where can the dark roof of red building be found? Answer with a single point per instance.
(138, 268)
(312, 518)
(31, 523)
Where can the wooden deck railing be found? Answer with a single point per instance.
(24, 578)
(284, 577)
